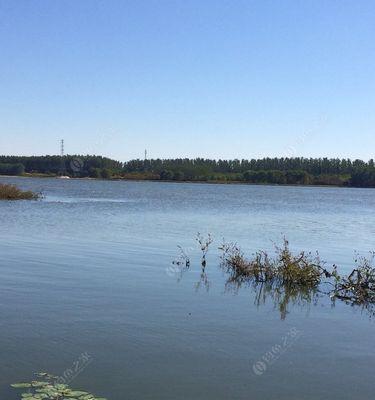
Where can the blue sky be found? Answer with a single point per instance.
(217, 79)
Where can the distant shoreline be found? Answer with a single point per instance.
(210, 182)
(296, 171)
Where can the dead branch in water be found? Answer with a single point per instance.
(204, 244)
(183, 259)
(359, 286)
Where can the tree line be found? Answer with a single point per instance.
(297, 170)
(73, 165)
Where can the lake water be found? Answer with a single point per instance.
(87, 286)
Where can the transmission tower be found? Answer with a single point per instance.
(145, 161)
(62, 158)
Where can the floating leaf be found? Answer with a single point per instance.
(52, 389)
(21, 385)
(77, 393)
(38, 384)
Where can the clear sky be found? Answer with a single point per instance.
(188, 78)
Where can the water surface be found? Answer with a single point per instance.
(87, 270)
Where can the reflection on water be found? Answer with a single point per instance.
(203, 281)
(365, 308)
(281, 296)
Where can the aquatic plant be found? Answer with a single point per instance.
(286, 278)
(49, 388)
(12, 192)
(285, 268)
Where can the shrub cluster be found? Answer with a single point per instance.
(303, 271)
(11, 192)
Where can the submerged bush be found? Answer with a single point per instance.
(298, 277)
(12, 192)
(285, 268)
(49, 388)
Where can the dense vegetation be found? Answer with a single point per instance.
(11, 169)
(318, 171)
(11, 192)
(306, 171)
(73, 165)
